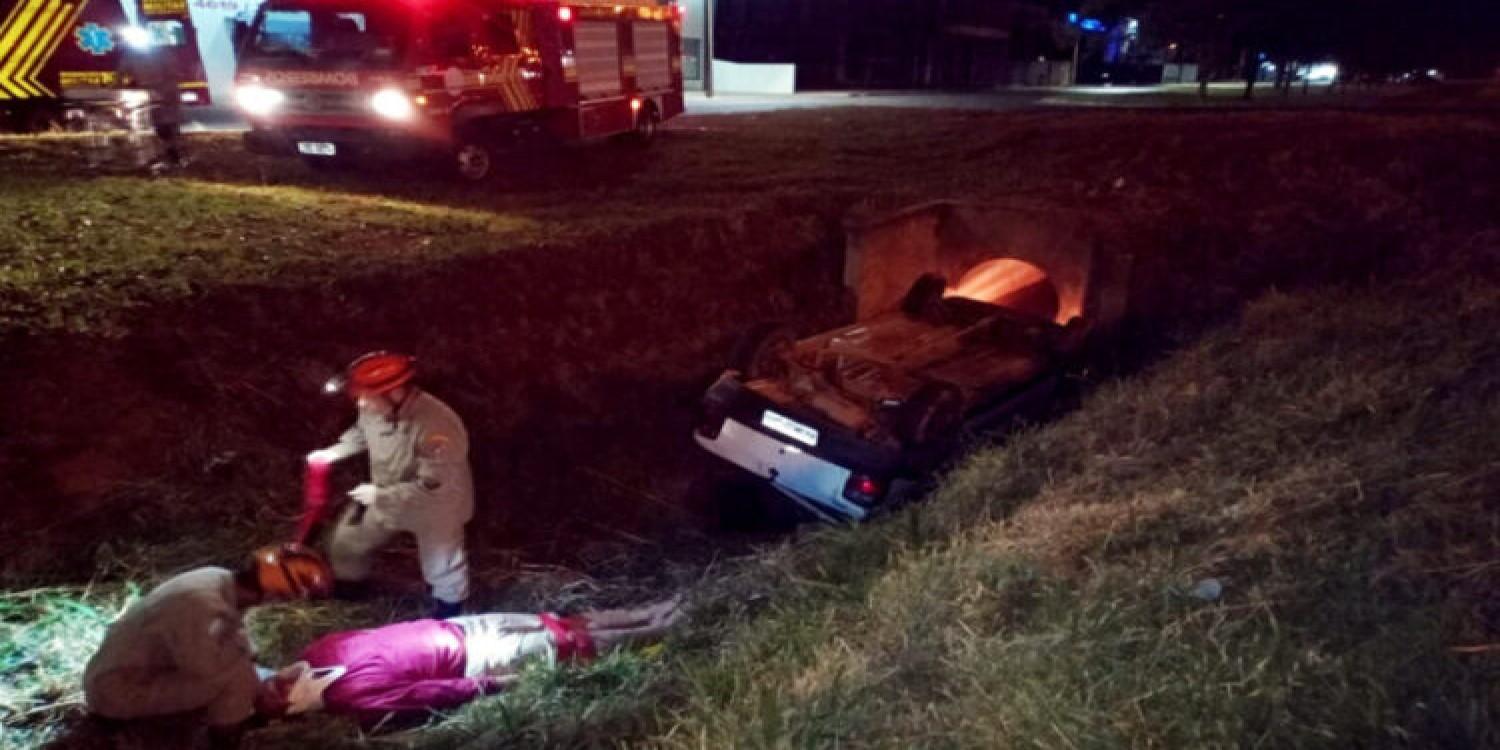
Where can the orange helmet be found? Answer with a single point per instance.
(375, 372)
(292, 571)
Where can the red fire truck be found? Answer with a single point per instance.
(335, 80)
(64, 56)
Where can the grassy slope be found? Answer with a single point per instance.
(1329, 459)
(76, 250)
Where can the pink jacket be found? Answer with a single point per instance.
(404, 668)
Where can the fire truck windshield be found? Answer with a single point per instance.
(322, 32)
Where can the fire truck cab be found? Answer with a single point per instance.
(337, 80)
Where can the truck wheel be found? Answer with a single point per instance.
(761, 352)
(473, 161)
(933, 412)
(647, 125)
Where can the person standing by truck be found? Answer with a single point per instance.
(420, 481)
(149, 68)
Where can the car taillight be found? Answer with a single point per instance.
(863, 489)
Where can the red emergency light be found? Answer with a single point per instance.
(565, 14)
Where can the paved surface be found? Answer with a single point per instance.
(1171, 95)
(1167, 95)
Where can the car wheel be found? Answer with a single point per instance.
(761, 352)
(933, 413)
(473, 161)
(925, 292)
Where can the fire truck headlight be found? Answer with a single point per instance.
(136, 37)
(256, 99)
(391, 104)
(135, 98)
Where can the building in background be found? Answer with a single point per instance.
(836, 44)
(694, 32)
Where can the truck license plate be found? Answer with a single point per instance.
(790, 428)
(316, 148)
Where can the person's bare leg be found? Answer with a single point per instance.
(635, 627)
(611, 619)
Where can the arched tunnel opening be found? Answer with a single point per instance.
(1013, 284)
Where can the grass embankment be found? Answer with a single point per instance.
(1329, 460)
(796, 646)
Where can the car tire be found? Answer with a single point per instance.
(759, 352)
(933, 413)
(925, 292)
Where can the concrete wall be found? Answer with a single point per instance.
(1179, 73)
(1041, 73)
(883, 257)
(693, 32)
(744, 78)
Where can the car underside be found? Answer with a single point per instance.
(833, 419)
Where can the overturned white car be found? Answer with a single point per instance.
(965, 317)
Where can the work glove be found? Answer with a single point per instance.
(364, 494)
(322, 456)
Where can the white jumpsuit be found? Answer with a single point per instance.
(419, 464)
(181, 648)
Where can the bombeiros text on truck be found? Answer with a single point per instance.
(338, 80)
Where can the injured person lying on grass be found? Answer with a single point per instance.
(413, 668)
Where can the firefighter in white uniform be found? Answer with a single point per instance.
(419, 478)
(183, 647)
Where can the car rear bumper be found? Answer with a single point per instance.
(813, 470)
(813, 482)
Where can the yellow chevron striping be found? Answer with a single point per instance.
(37, 39)
(9, 17)
(32, 68)
(10, 47)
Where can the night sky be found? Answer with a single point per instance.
(942, 42)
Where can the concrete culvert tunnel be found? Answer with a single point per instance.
(1013, 284)
(1049, 263)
